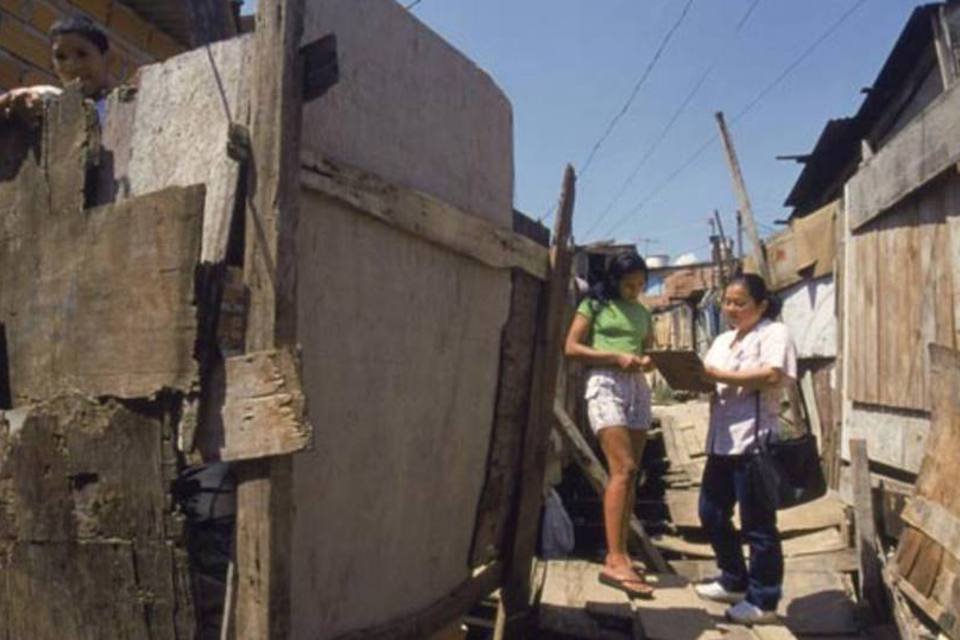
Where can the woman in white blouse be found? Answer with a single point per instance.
(750, 364)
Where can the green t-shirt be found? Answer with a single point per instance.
(618, 326)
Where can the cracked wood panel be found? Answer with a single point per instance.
(33, 189)
(257, 408)
(927, 561)
(101, 301)
(89, 546)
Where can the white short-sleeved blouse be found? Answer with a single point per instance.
(733, 409)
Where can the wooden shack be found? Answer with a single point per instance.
(891, 169)
(387, 411)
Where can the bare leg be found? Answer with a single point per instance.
(619, 451)
(638, 441)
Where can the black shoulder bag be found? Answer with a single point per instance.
(785, 473)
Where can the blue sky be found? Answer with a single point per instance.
(568, 66)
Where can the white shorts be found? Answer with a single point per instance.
(617, 398)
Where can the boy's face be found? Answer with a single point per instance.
(76, 58)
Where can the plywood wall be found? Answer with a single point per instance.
(411, 109)
(901, 297)
(400, 346)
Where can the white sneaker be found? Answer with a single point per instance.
(748, 614)
(715, 591)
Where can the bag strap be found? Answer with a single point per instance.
(758, 442)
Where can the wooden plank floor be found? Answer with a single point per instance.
(817, 600)
(574, 604)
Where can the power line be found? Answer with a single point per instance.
(636, 88)
(650, 151)
(669, 126)
(626, 107)
(742, 113)
(746, 16)
(413, 4)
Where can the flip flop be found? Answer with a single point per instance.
(621, 585)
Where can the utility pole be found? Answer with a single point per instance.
(739, 235)
(749, 223)
(743, 199)
(723, 254)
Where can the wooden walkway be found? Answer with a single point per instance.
(573, 604)
(818, 597)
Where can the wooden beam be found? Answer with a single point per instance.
(510, 414)
(264, 491)
(424, 216)
(513, 618)
(743, 198)
(871, 583)
(436, 616)
(597, 477)
(935, 521)
(902, 616)
(922, 150)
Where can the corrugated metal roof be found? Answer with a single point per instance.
(837, 152)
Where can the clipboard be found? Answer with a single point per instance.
(681, 369)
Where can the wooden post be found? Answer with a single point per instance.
(740, 188)
(513, 615)
(871, 580)
(264, 508)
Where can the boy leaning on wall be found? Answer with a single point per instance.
(78, 49)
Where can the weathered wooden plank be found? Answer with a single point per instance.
(930, 568)
(863, 313)
(839, 561)
(513, 400)
(819, 514)
(813, 409)
(941, 461)
(103, 302)
(676, 613)
(823, 541)
(427, 217)
(894, 437)
(573, 602)
(935, 521)
(925, 148)
(871, 583)
(422, 624)
(256, 408)
(515, 602)
(265, 488)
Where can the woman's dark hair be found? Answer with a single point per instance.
(757, 289)
(83, 27)
(622, 264)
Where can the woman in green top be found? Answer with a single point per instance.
(610, 332)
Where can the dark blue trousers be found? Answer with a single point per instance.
(726, 482)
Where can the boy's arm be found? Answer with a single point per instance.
(26, 103)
